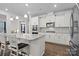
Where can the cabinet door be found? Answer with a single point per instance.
(67, 19)
(50, 18)
(47, 39)
(57, 38)
(63, 20)
(59, 21)
(52, 37)
(67, 38)
(34, 21)
(42, 22)
(64, 39)
(37, 47)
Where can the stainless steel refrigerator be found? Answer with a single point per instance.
(74, 42)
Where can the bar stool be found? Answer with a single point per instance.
(16, 48)
(19, 51)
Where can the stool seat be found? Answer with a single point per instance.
(21, 45)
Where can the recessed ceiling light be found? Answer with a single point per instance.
(26, 5)
(17, 17)
(6, 9)
(55, 5)
(17, 30)
(11, 19)
(25, 16)
(28, 12)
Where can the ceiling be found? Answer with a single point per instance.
(34, 8)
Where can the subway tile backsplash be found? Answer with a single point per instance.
(63, 30)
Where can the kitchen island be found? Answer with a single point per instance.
(36, 43)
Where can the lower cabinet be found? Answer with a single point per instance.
(58, 38)
(37, 47)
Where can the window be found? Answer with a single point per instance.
(2, 27)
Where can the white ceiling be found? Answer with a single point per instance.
(35, 8)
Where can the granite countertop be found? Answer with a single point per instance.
(30, 36)
(26, 36)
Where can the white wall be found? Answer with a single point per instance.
(11, 25)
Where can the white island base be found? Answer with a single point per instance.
(36, 43)
(37, 47)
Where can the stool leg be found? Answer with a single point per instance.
(2, 49)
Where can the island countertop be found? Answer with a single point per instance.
(26, 36)
(30, 36)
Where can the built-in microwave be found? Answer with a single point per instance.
(50, 24)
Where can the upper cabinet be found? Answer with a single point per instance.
(34, 21)
(42, 21)
(59, 21)
(63, 19)
(46, 19)
(50, 18)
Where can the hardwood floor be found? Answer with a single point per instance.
(52, 49)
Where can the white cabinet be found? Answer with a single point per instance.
(47, 39)
(62, 19)
(50, 18)
(50, 37)
(63, 39)
(59, 21)
(42, 21)
(34, 21)
(37, 47)
(58, 38)
(67, 38)
(45, 19)
(67, 19)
